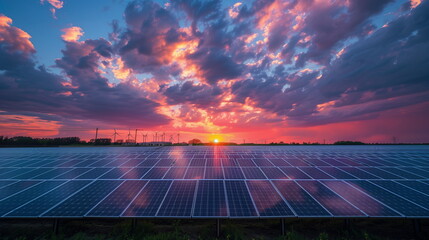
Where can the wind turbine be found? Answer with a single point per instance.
(129, 135)
(114, 135)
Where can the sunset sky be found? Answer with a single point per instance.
(263, 70)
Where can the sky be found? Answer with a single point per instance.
(238, 71)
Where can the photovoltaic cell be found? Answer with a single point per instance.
(300, 201)
(273, 173)
(294, 173)
(179, 199)
(114, 204)
(253, 173)
(401, 173)
(12, 189)
(337, 173)
(336, 205)
(213, 173)
(233, 173)
(315, 173)
(195, 173)
(147, 202)
(419, 186)
(267, 200)
(405, 192)
(381, 173)
(239, 200)
(115, 173)
(358, 173)
(401, 205)
(94, 173)
(135, 173)
(175, 173)
(210, 199)
(359, 199)
(39, 205)
(12, 202)
(75, 172)
(80, 203)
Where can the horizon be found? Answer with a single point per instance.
(235, 71)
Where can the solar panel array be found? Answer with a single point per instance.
(215, 182)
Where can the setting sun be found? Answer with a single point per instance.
(215, 141)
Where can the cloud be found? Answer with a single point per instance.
(384, 71)
(28, 88)
(201, 95)
(56, 4)
(14, 39)
(72, 34)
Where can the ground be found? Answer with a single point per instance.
(321, 229)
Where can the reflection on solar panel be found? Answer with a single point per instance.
(215, 182)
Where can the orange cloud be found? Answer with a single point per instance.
(72, 34)
(55, 3)
(21, 125)
(233, 11)
(15, 37)
(415, 3)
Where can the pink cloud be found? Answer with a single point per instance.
(16, 39)
(72, 34)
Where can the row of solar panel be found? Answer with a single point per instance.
(261, 162)
(222, 153)
(216, 173)
(214, 198)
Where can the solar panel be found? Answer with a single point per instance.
(394, 201)
(300, 200)
(16, 200)
(40, 205)
(331, 201)
(361, 200)
(80, 203)
(210, 200)
(239, 201)
(268, 206)
(179, 199)
(114, 204)
(147, 202)
(216, 182)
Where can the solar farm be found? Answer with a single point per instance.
(215, 182)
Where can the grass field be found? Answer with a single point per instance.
(206, 229)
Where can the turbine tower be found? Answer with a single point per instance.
(114, 135)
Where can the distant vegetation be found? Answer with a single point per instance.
(348, 143)
(29, 141)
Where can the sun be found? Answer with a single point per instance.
(215, 141)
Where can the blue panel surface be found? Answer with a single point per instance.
(147, 202)
(239, 201)
(399, 204)
(116, 202)
(210, 199)
(300, 201)
(12, 202)
(336, 205)
(268, 202)
(80, 203)
(38, 206)
(361, 200)
(179, 199)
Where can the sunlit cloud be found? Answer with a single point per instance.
(72, 34)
